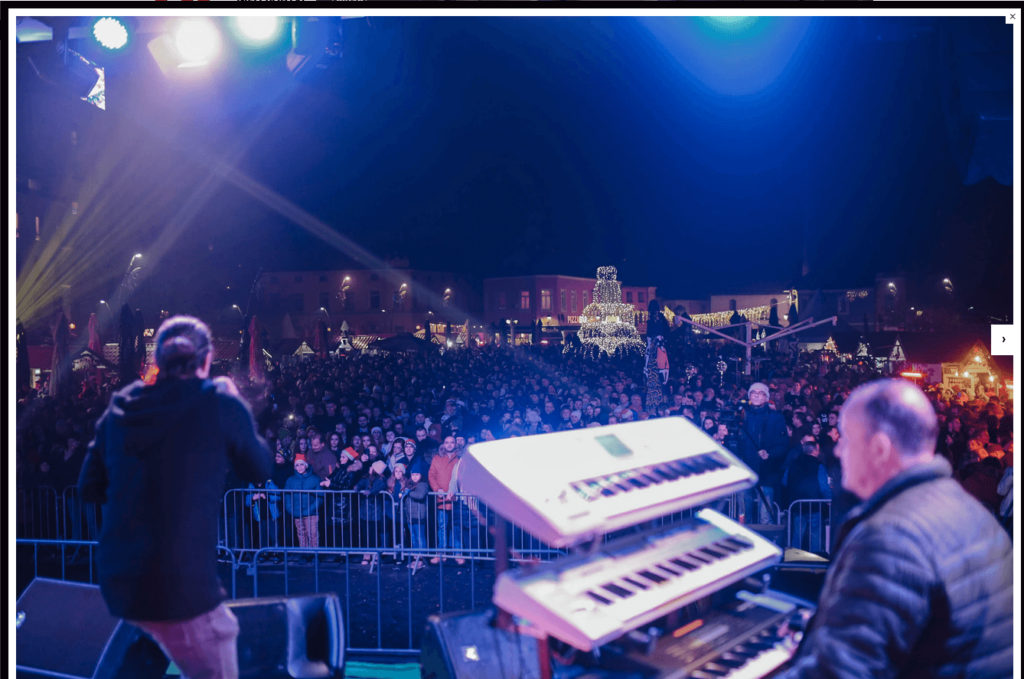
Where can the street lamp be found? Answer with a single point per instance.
(239, 310)
(326, 314)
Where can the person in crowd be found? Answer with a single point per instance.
(763, 439)
(1005, 491)
(322, 461)
(371, 510)
(918, 561)
(344, 514)
(413, 497)
(807, 482)
(440, 478)
(303, 505)
(149, 465)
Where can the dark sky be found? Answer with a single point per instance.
(694, 158)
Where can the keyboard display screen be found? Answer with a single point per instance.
(614, 446)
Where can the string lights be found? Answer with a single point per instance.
(718, 319)
(607, 324)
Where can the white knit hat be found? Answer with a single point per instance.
(758, 386)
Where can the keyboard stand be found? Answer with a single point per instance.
(503, 620)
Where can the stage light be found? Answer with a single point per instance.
(110, 33)
(197, 42)
(258, 29)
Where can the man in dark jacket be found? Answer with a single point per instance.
(157, 465)
(921, 584)
(764, 443)
(807, 482)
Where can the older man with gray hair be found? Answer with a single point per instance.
(921, 584)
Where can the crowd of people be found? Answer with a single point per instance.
(396, 425)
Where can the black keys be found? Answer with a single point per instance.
(699, 674)
(667, 472)
(713, 553)
(688, 565)
(738, 542)
(598, 598)
(672, 571)
(620, 592)
(730, 660)
(653, 577)
(725, 546)
(638, 483)
(634, 583)
(716, 670)
(702, 558)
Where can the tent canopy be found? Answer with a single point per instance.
(403, 342)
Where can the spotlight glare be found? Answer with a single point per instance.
(258, 29)
(197, 42)
(110, 33)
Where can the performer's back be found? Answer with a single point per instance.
(158, 463)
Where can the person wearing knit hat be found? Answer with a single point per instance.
(303, 506)
(378, 467)
(399, 468)
(758, 386)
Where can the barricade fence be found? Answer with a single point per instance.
(810, 525)
(439, 526)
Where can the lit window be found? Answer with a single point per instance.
(545, 300)
(629, 298)
(524, 299)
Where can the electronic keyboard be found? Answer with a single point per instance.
(591, 598)
(751, 637)
(570, 486)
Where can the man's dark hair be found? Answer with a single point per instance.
(810, 447)
(182, 344)
(886, 411)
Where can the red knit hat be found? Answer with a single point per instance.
(299, 456)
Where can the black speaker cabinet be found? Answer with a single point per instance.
(290, 637)
(469, 646)
(64, 630)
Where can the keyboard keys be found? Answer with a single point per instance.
(620, 592)
(700, 558)
(670, 570)
(688, 565)
(634, 583)
(598, 598)
(713, 553)
(653, 577)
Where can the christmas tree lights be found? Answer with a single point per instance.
(607, 324)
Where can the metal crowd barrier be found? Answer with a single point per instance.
(810, 525)
(37, 513)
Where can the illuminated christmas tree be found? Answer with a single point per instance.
(607, 324)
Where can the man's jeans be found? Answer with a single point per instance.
(755, 510)
(445, 524)
(809, 517)
(205, 647)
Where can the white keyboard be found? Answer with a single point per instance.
(589, 599)
(567, 487)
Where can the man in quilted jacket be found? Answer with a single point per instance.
(921, 584)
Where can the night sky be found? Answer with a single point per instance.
(695, 157)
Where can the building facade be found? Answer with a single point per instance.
(555, 302)
(382, 301)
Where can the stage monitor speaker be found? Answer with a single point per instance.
(290, 637)
(469, 646)
(64, 630)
